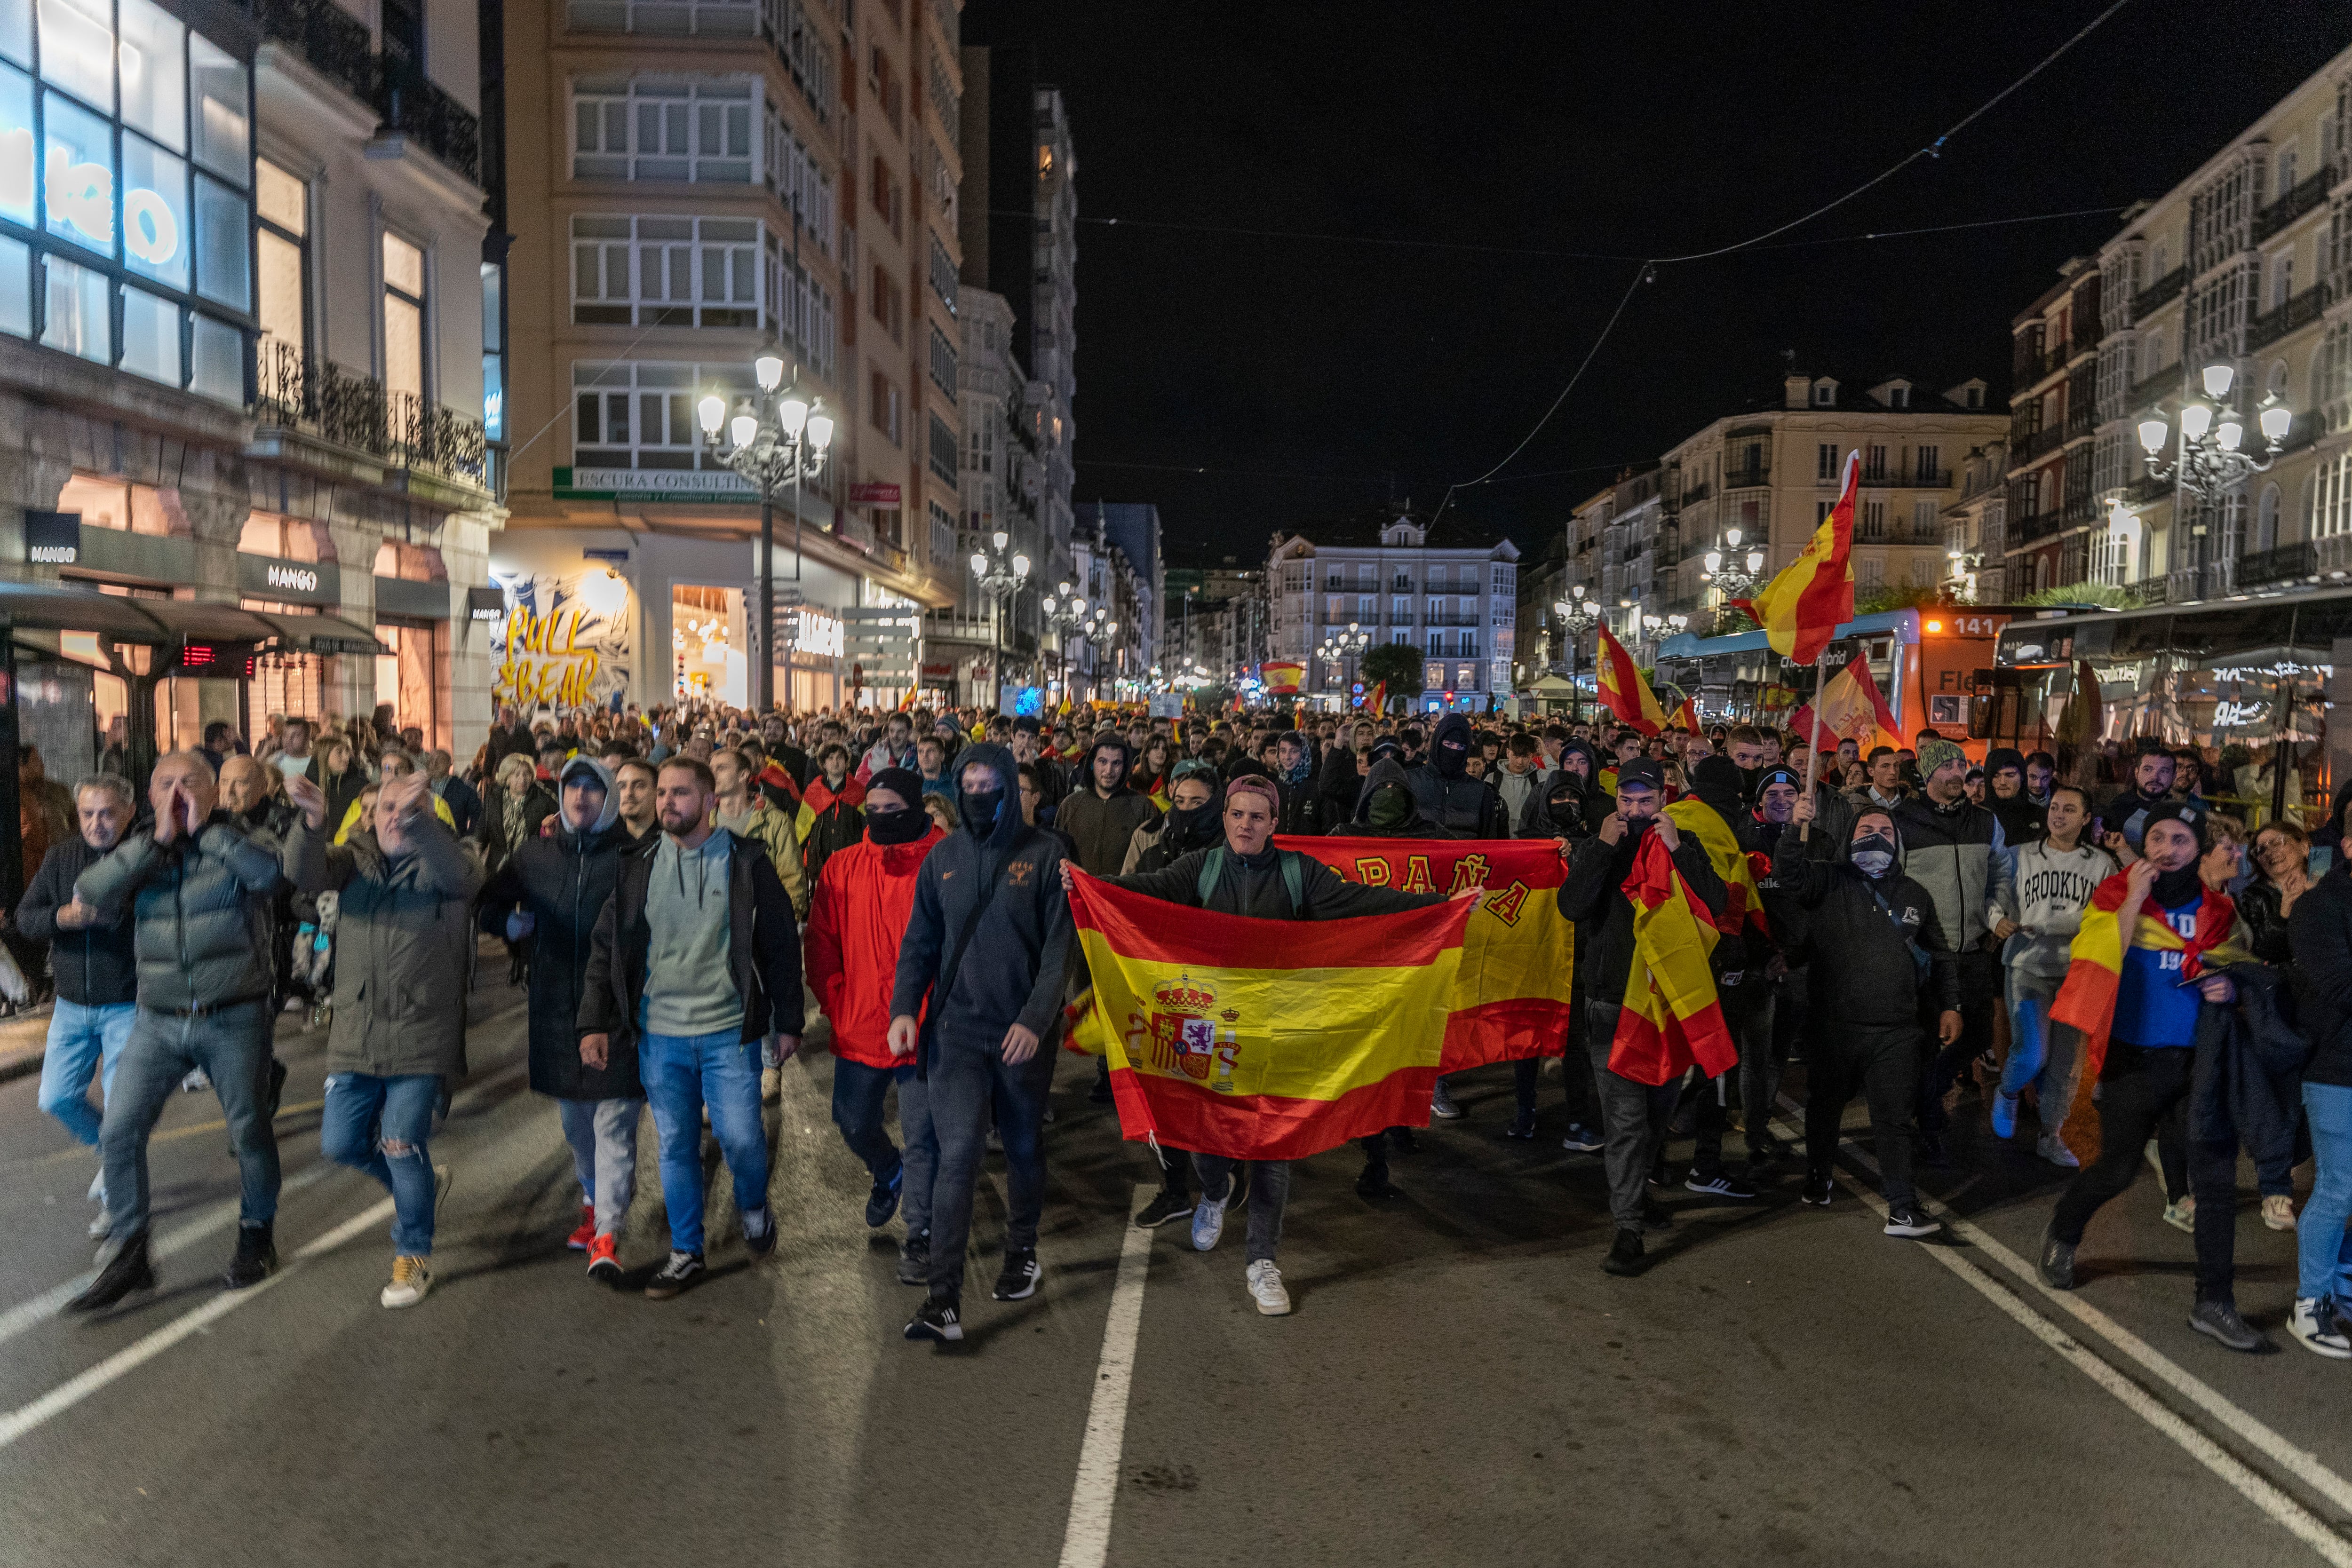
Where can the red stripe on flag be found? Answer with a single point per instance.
(1203, 938)
(1265, 1126)
(1504, 1030)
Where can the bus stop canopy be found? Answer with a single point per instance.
(165, 623)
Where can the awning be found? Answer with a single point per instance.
(166, 623)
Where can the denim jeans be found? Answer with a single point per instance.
(2037, 1053)
(233, 1047)
(603, 1138)
(858, 1093)
(965, 1086)
(682, 1073)
(83, 1041)
(379, 1125)
(1269, 1195)
(2323, 1247)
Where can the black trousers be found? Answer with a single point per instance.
(1981, 997)
(2138, 1089)
(1754, 1080)
(1883, 1065)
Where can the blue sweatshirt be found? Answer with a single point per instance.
(2152, 1006)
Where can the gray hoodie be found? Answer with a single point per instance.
(2045, 890)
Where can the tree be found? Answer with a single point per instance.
(1398, 663)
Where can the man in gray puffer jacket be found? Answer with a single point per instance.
(198, 893)
(405, 888)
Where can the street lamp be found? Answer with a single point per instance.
(1000, 575)
(1730, 580)
(770, 441)
(1341, 647)
(1966, 564)
(2210, 461)
(1067, 614)
(1577, 616)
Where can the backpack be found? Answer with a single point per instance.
(1294, 876)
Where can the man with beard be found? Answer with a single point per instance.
(2125, 813)
(1103, 815)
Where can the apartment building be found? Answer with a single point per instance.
(242, 357)
(1449, 589)
(1975, 527)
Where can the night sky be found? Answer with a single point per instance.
(1316, 377)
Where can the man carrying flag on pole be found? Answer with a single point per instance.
(1803, 605)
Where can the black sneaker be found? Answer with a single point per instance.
(763, 1242)
(1905, 1219)
(677, 1276)
(1164, 1207)
(1374, 1182)
(126, 1271)
(1403, 1141)
(1624, 1254)
(257, 1257)
(277, 1085)
(1654, 1215)
(2219, 1319)
(1584, 1140)
(1818, 1190)
(883, 1201)
(1720, 1183)
(1017, 1280)
(915, 1261)
(1932, 1151)
(2056, 1262)
(937, 1320)
(1523, 1126)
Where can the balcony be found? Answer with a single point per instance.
(2160, 293)
(2040, 443)
(1748, 476)
(2310, 193)
(337, 45)
(2040, 525)
(413, 107)
(348, 410)
(2288, 563)
(2299, 311)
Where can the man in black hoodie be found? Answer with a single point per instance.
(2019, 815)
(1344, 767)
(1450, 794)
(1739, 961)
(1102, 814)
(1879, 959)
(982, 968)
(1635, 1114)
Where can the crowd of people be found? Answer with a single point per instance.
(675, 887)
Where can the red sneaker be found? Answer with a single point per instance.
(603, 1260)
(579, 1239)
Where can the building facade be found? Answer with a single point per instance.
(242, 350)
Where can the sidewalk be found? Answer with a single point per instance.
(21, 1041)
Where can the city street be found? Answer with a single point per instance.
(1459, 1382)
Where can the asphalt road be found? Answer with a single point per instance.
(1459, 1383)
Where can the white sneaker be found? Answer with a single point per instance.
(2057, 1154)
(2182, 1216)
(2278, 1211)
(2313, 1326)
(1208, 1224)
(410, 1281)
(100, 1225)
(97, 1187)
(1266, 1288)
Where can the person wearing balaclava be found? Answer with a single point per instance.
(1565, 811)
(549, 892)
(1878, 960)
(1450, 793)
(974, 1004)
(2174, 920)
(1191, 822)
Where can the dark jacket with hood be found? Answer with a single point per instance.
(1720, 785)
(94, 966)
(1572, 796)
(2021, 818)
(1598, 806)
(1103, 825)
(1450, 794)
(563, 882)
(1388, 773)
(1593, 895)
(1864, 971)
(1013, 952)
(1338, 784)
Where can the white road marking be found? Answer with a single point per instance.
(72, 1392)
(1086, 1542)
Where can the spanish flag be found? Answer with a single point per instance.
(1377, 699)
(1264, 1040)
(1671, 1019)
(1849, 708)
(1623, 692)
(1685, 716)
(1802, 607)
(2095, 970)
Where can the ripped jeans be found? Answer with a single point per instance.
(379, 1125)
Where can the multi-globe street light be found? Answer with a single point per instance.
(1577, 616)
(999, 573)
(2209, 460)
(770, 441)
(1723, 570)
(1342, 646)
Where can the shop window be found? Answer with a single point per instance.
(127, 509)
(287, 538)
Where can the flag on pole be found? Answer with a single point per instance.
(1623, 692)
(1685, 716)
(1805, 604)
(1849, 708)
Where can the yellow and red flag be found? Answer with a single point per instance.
(1849, 708)
(2094, 971)
(1671, 1017)
(1685, 716)
(1281, 675)
(1510, 998)
(1376, 701)
(1266, 1040)
(1623, 692)
(1805, 604)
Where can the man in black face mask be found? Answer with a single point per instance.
(1191, 822)
(1879, 961)
(981, 968)
(1451, 795)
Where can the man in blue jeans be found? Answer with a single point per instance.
(97, 983)
(695, 959)
(405, 885)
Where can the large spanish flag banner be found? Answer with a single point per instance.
(1805, 604)
(1849, 708)
(1510, 997)
(1671, 1019)
(2094, 971)
(1623, 692)
(1266, 1039)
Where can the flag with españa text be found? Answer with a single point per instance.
(1266, 1040)
(1510, 997)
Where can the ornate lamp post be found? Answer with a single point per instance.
(1729, 580)
(1000, 575)
(2210, 461)
(1577, 615)
(770, 442)
(1342, 647)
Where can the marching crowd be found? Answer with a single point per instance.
(676, 887)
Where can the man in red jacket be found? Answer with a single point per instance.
(864, 898)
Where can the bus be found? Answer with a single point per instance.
(2248, 682)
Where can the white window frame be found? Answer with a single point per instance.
(694, 130)
(680, 271)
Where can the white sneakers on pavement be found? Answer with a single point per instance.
(2278, 1211)
(1266, 1288)
(410, 1281)
(1208, 1224)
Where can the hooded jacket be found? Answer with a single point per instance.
(1015, 952)
(1157, 845)
(94, 967)
(1102, 825)
(858, 915)
(2019, 816)
(1338, 784)
(1386, 773)
(402, 940)
(828, 820)
(200, 913)
(1598, 806)
(1560, 785)
(563, 882)
(1862, 970)
(1450, 794)
(1949, 851)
